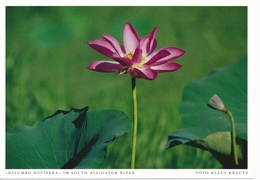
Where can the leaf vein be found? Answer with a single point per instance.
(38, 153)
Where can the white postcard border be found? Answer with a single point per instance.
(253, 57)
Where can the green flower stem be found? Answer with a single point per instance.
(234, 144)
(134, 124)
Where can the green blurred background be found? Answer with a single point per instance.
(47, 55)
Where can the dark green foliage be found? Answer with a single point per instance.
(67, 140)
(210, 129)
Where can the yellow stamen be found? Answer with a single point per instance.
(130, 56)
(143, 58)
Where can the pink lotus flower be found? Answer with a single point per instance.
(136, 57)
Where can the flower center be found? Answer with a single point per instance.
(130, 56)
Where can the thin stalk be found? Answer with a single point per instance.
(134, 123)
(233, 131)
